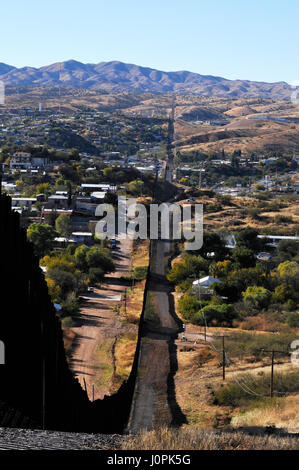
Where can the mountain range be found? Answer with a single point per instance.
(118, 76)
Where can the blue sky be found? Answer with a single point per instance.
(245, 39)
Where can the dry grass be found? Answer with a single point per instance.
(249, 135)
(200, 374)
(187, 439)
(134, 304)
(281, 412)
(140, 253)
(124, 355)
(103, 364)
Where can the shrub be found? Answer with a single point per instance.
(288, 248)
(282, 293)
(95, 275)
(293, 319)
(282, 219)
(248, 238)
(70, 306)
(42, 236)
(189, 306)
(224, 199)
(80, 257)
(254, 213)
(248, 387)
(67, 322)
(99, 257)
(53, 289)
(257, 297)
(189, 266)
(242, 344)
(67, 281)
(140, 273)
(244, 257)
(260, 323)
(184, 286)
(216, 315)
(63, 225)
(288, 270)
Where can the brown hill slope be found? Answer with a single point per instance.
(117, 76)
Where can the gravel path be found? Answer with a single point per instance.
(150, 407)
(24, 439)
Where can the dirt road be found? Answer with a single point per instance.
(98, 322)
(154, 402)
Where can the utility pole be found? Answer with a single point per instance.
(223, 358)
(203, 316)
(200, 175)
(125, 299)
(273, 352)
(223, 355)
(272, 374)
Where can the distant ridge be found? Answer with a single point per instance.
(117, 76)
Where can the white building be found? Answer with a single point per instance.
(104, 187)
(82, 237)
(20, 161)
(24, 161)
(206, 281)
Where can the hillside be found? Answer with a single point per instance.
(229, 125)
(117, 76)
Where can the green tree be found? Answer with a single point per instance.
(287, 249)
(135, 187)
(52, 218)
(293, 319)
(216, 315)
(244, 257)
(190, 265)
(65, 280)
(288, 271)
(189, 306)
(248, 238)
(63, 225)
(282, 293)
(96, 275)
(44, 188)
(99, 258)
(257, 297)
(221, 268)
(80, 257)
(42, 236)
(213, 243)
